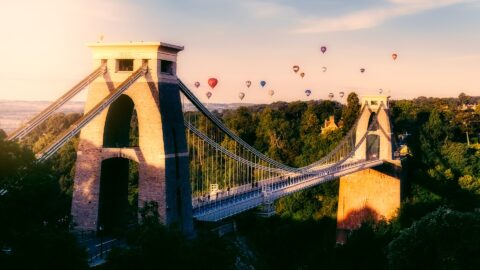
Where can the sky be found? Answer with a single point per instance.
(43, 45)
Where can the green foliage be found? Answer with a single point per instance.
(365, 246)
(443, 239)
(154, 246)
(350, 113)
(3, 134)
(62, 163)
(36, 215)
(281, 243)
(314, 203)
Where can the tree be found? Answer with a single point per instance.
(443, 239)
(463, 98)
(350, 113)
(36, 223)
(152, 245)
(3, 134)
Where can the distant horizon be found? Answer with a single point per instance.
(239, 102)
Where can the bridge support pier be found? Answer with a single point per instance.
(266, 210)
(371, 194)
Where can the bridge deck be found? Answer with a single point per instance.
(226, 204)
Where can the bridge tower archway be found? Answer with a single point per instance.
(121, 124)
(161, 150)
(376, 111)
(373, 192)
(118, 198)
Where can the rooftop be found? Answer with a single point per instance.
(137, 44)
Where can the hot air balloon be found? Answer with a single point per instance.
(330, 95)
(308, 92)
(380, 91)
(324, 69)
(323, 49)
(271, 92)
(248, 83)
(241, 95)
(302, 74)
(296, 68)
(208, 94)
(362, 70)
(212, 82)
(394, 56)
(263, 83)
(341, 94)
(197, 84)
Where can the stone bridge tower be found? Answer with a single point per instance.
(160, 153)
(372, 193)
(379, 137)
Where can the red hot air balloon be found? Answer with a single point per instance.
(394, 56)
(323, 49)
(209, 94)
(212, 82)
(296, 68)
(197, 84)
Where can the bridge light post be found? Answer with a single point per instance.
(100, 230)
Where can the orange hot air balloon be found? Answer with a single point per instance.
(394, 56)
(212, 82)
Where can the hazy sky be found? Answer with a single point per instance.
(43, 50)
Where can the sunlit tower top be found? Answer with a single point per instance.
(124, 58)
(374, 101)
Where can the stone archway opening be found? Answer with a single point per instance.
(121, 124)
(118, 204)
(374, 126)
(373, 147)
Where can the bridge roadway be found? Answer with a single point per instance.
(228, 203)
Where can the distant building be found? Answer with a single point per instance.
(329, 125)
(404, 150)
(466, 107)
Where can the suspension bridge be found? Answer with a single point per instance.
(189, 162)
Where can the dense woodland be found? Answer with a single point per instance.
(437, 226)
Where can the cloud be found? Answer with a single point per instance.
(372, 17)
(266, 8)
